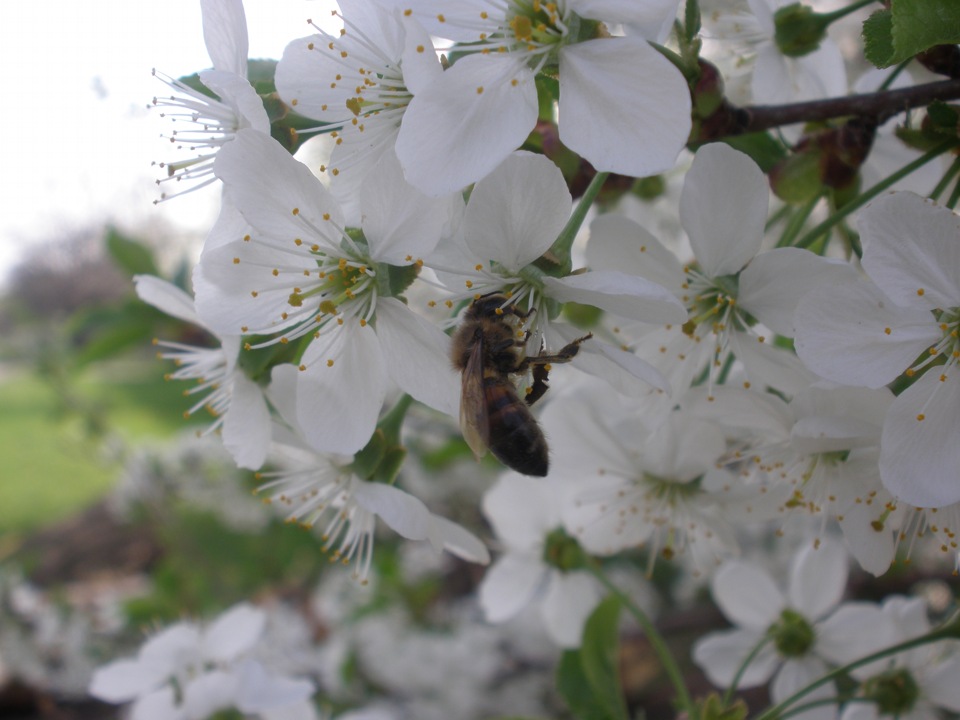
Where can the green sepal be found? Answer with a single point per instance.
(762, 148)
(589, 678)
(799, 30)
(712, 708)
(398, 277)
(548, 92)
(582, 316)
(366, 462)
(797, 179)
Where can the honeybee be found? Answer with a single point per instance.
(488, 349)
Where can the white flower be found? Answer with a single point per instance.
(903, 319)
(799, 633)
(300, 274)
(203, 124)
(461, 126)
(723, 209)
(230, 396)
(526, 513)
(744, 33)
(914, 685)
(659, 490)
(188, 672)
(324, 491)
(819, 455)
(358, 83)
(513, 217)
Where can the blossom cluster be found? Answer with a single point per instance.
(722, 376)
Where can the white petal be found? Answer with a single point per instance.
(775, 281)
(509, 585)
(841, 334)
(872, 548)
(401, 511)
(234, 632)
(720, 655)
(401, 224)
(159, 705)
(458, 541)
(909, 244)
(275, 193)
(258, 691)
(516, 213)
(797, 673)
(621, 368)
(166, 297)
(769, 365)
(238, 94)
(229, 227)
(167, 648)
(629, 296)
(522, 510)
(652, 119)
(459, 128)
(417, 355)
(747, 595)
(209, 693)
(940, 684)
(649, 12)
(618, 243)
(818, 579)
(570, 599)
(779, 80)
(919, 459)
(855, 630)
(123, 680)
(246, 425)
(338, 404)
(419, 61)
(723, 208)
(225, 34)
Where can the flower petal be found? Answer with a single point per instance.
(919, 458)
(509, 585)
(225, 34)
(259, 691)
(458, 541)
(910, 249)
(720, 655)
(340, 394)
(400, 223)
(499, 226)
(246, 425)
(522, 510)
(417, 356)
(166, 297)
(747, 595)
(569, 600)
(723, 208)
(234, 632)
(775, 281)
(159, 705)
(818, 579)
(618, 243)
(842, 334)
(461, 126)
(651, 123)
(123, 680)
(629, 296)
(401, 511)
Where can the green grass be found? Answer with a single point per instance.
(49, 465)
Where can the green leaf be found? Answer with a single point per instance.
(909, 27)
(132, 256)
(589, 678)
(878, 38)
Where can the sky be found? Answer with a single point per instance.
(78, 139)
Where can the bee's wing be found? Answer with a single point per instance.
(474, 420)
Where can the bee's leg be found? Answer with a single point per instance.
(539, 385)
(565, 354)
(540, 367)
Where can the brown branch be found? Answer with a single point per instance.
(729, 120)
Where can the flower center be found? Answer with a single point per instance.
(712, 303)
(562, 551)
(792, 635)
(895, 692)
